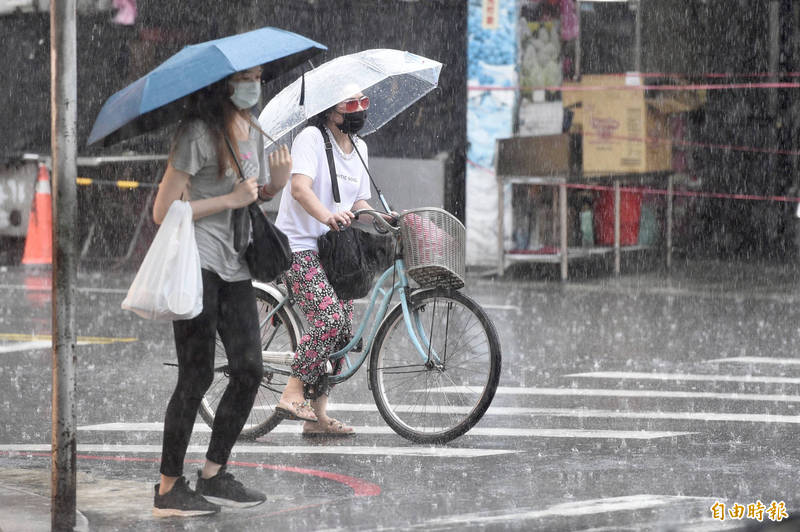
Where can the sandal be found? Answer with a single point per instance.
(331, 427)
(296, 411)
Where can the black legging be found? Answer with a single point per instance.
(229, 308)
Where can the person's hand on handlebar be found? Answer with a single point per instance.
(392, 217)
(339, 220)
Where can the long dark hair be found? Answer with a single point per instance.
(320, 119)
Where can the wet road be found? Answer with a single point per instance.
(625, 404)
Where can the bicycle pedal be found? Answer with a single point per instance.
(359, 346)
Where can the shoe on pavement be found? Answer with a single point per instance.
(223, 489)
(181, 501)
(328, 427)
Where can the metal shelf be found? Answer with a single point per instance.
(560, 207)
(574, 253)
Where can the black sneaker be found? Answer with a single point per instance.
(181, 501)
(223, 489)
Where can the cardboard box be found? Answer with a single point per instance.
(546, 155)
(625, 129)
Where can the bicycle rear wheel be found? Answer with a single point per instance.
(441, 398)
(279, 333)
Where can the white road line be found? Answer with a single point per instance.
(758, 360)
(25, 346)
(30, 346)
(681, 292)
(88, 289)
(672, 416)
(643, 375)
(513, 308)
(439, 452)
(648, 394)
(475, 431)
(569, 509)
(585, 413)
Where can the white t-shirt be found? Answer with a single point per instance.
(308, 158)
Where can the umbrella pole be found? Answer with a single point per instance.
(385, 204)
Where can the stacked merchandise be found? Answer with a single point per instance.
(547, 30)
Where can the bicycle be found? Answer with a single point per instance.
(434, 358)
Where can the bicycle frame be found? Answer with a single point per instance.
(414, 327)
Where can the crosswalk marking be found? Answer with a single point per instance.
(590, 413)
(626, 503)
(758, 360)
(416, 450)
(673, 416)
(475, 431)
(642, 375)
(671, 291)
(28, 342)
(596, 392)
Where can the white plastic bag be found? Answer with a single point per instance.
(168, 285)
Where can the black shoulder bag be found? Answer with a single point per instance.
(268, 254)
(343, 253)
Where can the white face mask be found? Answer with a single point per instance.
(245, 93)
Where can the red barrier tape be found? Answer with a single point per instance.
(590, 88)
(707, 145)
(689, 193)
(707, 75)
(663, 192)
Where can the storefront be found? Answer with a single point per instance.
(560, 126)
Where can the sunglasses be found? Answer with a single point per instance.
(352, 105)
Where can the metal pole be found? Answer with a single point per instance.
(63, 103)
(577, 75)
(773, 95)
(501, 230)
(670, 202)
(637, 44)
(617, 252)
(562, 209)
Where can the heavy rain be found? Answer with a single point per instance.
(590, 321)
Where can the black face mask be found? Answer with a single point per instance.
(353, 122)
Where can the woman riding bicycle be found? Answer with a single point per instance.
(304, 215)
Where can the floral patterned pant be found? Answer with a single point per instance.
(329, 320)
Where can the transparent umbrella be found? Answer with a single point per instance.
(393, 80)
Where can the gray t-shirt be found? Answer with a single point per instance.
(196, 154)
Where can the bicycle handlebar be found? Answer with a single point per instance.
(378, 219)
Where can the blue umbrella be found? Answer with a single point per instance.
(154, 100)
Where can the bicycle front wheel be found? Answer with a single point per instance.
(279, 335)
(438, 397)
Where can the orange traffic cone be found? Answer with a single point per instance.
(39, 242)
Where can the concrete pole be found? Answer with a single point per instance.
(63, 103)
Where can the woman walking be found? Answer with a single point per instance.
(201, 169)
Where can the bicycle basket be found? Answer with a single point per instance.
(433, 244)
